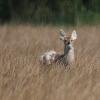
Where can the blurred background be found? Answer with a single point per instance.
(50, 11)
(29, 28)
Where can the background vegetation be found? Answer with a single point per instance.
(50, 11)
(23, 78)
(21, 75)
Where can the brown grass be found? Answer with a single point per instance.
(23, 78)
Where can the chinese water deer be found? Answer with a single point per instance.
(67, 57)
(68, 54)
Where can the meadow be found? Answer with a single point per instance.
(22, 77)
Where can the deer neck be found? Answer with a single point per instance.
(69, 54)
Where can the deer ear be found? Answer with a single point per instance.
(74, 35)
(62, 34)
(62, 38)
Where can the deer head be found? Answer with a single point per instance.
(68, 40)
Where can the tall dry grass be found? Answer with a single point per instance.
(23, 78)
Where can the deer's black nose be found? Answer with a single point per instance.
(68, 43)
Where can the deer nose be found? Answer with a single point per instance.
(68, 43)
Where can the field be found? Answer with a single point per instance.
(23, 78)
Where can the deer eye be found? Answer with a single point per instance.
(71, 40)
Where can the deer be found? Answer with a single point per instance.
(65, 58)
